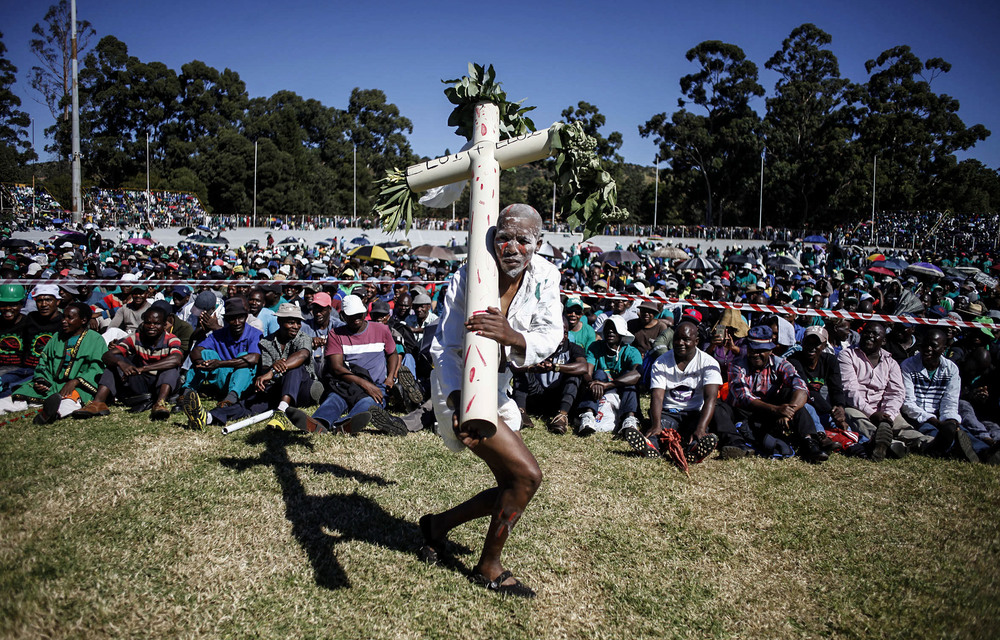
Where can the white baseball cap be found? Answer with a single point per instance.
(352, 306)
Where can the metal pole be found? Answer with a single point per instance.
(874, 170)
(149, 208)
(254, 183)
(553, 207)
(75, 130)
(355, 214)
(760, 208)
(656, 192)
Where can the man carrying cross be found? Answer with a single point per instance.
(528, 327)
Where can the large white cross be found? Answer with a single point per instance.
(482, 165)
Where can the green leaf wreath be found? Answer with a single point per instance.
(590, 194)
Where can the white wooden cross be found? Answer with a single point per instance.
(482, 164)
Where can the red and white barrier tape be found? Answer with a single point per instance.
(768, 308)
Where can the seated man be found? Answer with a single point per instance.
(67, 372)
(144, 363)
(932, 386)
(362, 358)
(768, 395)
(286, 376)
(873, 384)
(551, 386)
(223, 364)
(821, 371)
(685, 384)
(13, 370)
(612, 374)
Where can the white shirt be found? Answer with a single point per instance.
(684, 389)
(535, 313)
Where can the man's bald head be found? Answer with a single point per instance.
(525, 212)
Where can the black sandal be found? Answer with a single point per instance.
(517, 589)
(428, 553)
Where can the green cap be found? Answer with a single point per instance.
(11, 293)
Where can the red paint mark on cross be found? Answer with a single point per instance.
(482, 129)
(469, 406)
(472, 374)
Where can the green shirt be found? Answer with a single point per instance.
(625, 359)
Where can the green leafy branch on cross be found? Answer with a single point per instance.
(589, 193)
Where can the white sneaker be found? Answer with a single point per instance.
(630, 422)
(588, 424)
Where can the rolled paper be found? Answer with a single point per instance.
(246, 422)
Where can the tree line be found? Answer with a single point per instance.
(818, 137)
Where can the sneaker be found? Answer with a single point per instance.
(992, 456)
(91, 409)
(638, 441)
(413, 397)
(630, 421)
(963, 446)
(559, 424)
(280, 421)
(355, 424)
(733, 452)
(701, 448)
(588, 424)
(897, 450)
(386, 422)
(881, 442)
(191, 405)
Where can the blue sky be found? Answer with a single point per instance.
(626, 57)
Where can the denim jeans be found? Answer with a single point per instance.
(334, 407)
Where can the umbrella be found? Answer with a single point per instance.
(433, 252)
(815, 239)
(876, 256)
(222, 240)
(926, 269)
(548, 251)
(895, 264)
(699, 264)
(360, 240)
(619, 256)
(780, 244)
(322, 243)
(969, 271)
(186, 231)
(370, 252)
(955, 274)
(738, 258)
(57, 221)
(143, 241)
(591, 248)
(881, 271)
(16, 243)
(671, 253)
(396, 246)
(71, 236)
(289, 240)
(204, 228)
(784, 262)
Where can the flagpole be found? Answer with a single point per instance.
(760, 208)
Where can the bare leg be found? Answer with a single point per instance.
(518, 478)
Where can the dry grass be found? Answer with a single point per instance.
(124, 528)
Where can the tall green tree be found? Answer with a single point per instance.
(713, 153)
(913, 130)
(53, 46)
(810, 128)
(15, 148)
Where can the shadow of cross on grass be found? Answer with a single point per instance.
(349, 516)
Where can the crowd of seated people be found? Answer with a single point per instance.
(642, 357)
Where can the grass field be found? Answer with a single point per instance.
(121, 528)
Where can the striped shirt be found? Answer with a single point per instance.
(766, 384)
(133, 349)
(367, 348)
(930, 394)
